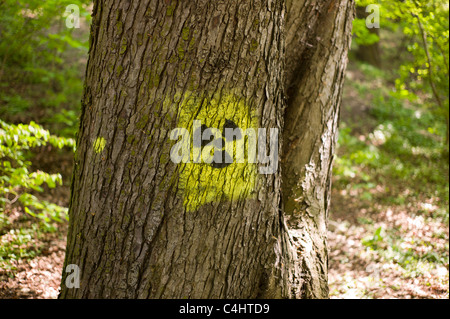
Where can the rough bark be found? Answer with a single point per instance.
(317, 42)
(131, 232)
(134, 230)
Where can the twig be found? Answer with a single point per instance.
(430, 68)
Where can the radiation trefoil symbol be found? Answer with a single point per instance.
(220, 157)
(214, 168)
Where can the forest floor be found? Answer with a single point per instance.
(32, 257)
(388, 228)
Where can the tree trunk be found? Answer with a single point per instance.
(318, 40)
(368, 53)
(142, 226)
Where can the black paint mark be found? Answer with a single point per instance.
(221, 158)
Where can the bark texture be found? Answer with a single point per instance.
(130, 232)
(318, 39)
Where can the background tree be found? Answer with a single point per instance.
(369, 45)
(142, 226)
(424, 72)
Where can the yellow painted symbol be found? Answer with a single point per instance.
(201, 179)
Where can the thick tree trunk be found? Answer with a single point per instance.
(142, 226)
(317, 42)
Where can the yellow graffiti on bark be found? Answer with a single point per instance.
(99, 145)
(202, 183)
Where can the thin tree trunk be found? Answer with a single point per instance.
(140, 227)
(318, 40)
(368, 53)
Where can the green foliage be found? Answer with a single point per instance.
(42, 64)
(424, 72)
(392, 171)
(17, 244)
(404, 145)
(361, 33)
(41, 61)
(390, 245)
(426, 26)
(373, 241)
(16, 180)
